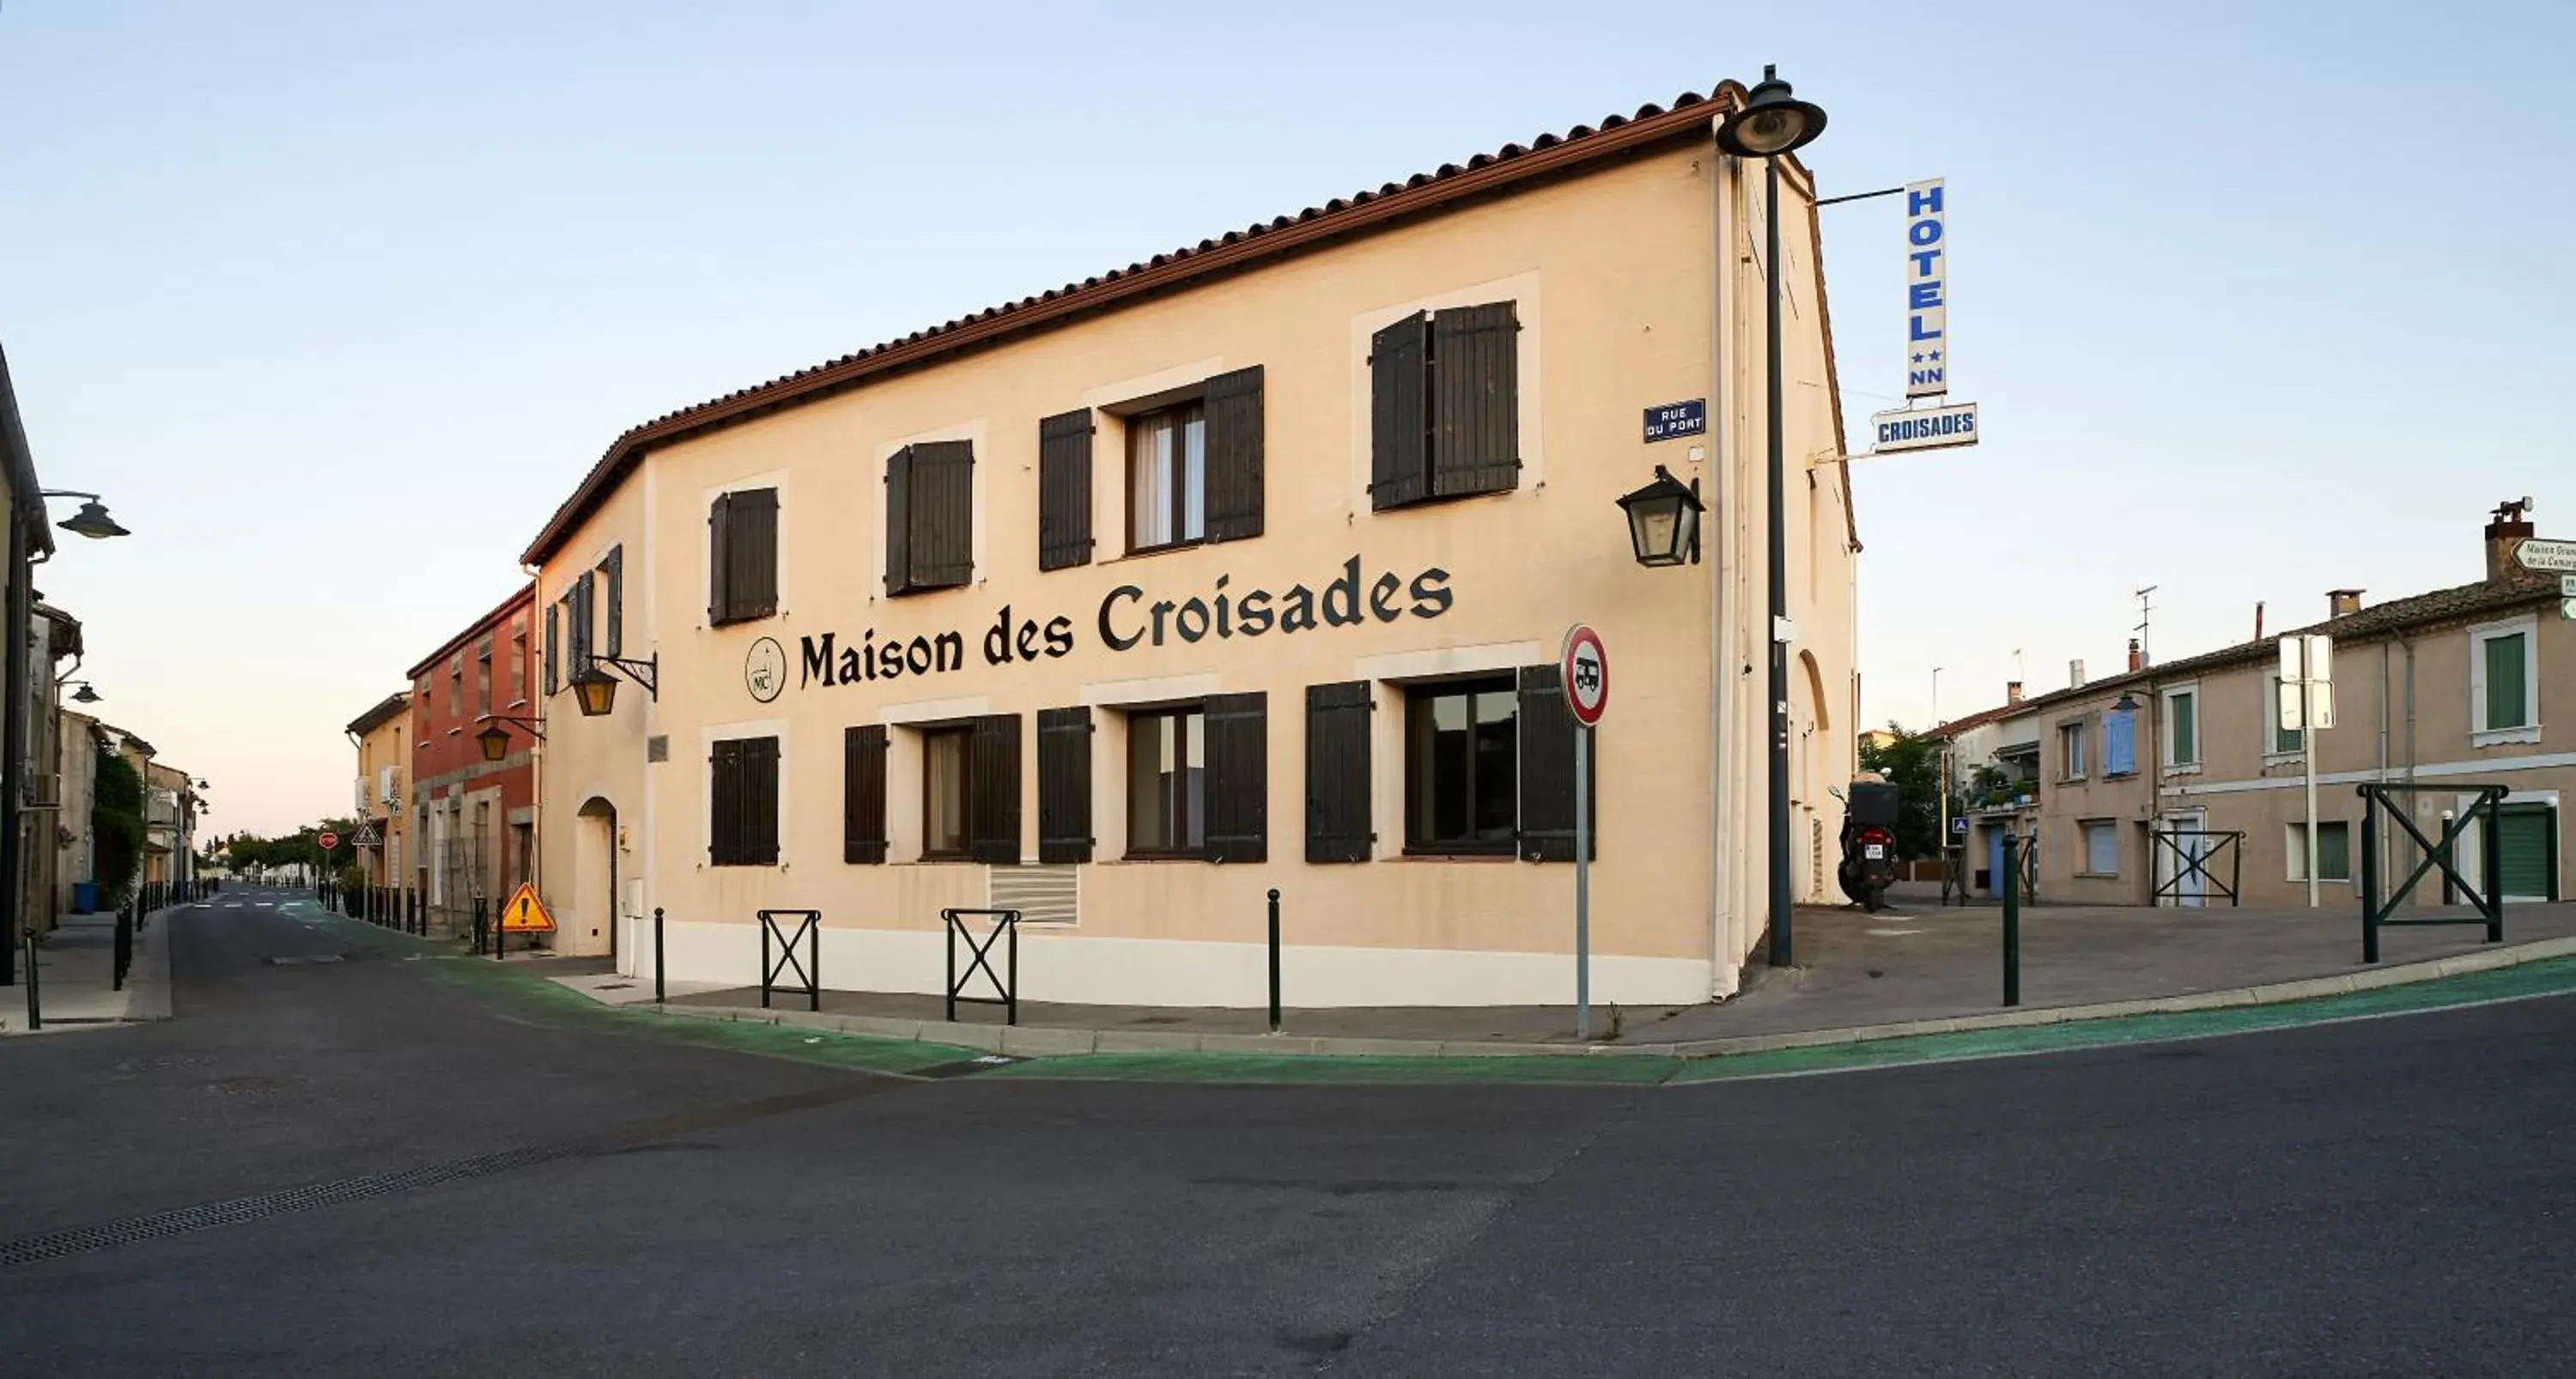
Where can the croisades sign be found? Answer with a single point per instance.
(1128, 618)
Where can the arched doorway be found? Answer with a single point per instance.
(593, 893)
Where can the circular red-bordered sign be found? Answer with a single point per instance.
(1584, 667)
(329, 841)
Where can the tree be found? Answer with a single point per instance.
(116, 821)
(1913, 764)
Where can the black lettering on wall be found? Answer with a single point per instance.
(817, 661)
(1109, 636)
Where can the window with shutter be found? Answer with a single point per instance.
(760, 801)
(1444, 405)
(1338, 825)
(742, 556)
(1167, 783)
(1234, 455)
(947, 791)
(863, 794)
(1167, 477)
(2119, 743)
(993, 800)
(719, 560)
(1064, 785)
(554, 651)
(943, 514)
(1399, 413)
(577, 609)
(1064, 490)
(754, 550)
(1547, 729)
(1238, 777)
(614, 570)
(930, 516)
(1475, 429)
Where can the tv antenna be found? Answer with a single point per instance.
(2146, 615)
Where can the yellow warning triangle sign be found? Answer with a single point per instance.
(525, 914)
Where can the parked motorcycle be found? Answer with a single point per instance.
(1869, 842)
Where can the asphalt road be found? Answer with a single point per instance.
(2383, 1197)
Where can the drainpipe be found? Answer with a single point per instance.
(13, 743)
(536, 744)
(1725, 959)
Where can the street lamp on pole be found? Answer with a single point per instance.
(1771, 122)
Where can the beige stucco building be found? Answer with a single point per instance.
(1243, 568)
(382, 736)
(2446, 690)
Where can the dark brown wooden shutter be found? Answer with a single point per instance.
(1475, 372)
(993, 791)
(724, 803)
(719, 560)
(1234, 455)
(1547, 729)
(760, 801)
(554, 648)
(942, 514)
(898, 509)
(753, 553)
(1064, 491)
(1064, 785)
(1399, 427)
(1337, 773)
(615, 565)
(863, 794)
(577, 610)
(1238, 777)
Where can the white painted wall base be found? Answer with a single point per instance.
(1063, 965)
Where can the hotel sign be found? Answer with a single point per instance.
(1932, 428)
(1927, 291)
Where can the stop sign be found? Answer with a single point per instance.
(330, 841)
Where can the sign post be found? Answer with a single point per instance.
(2307, 704)
(1583, 667)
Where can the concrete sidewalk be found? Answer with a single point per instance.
(76, 970)
(1858, 976)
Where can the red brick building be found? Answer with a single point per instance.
(474, 821)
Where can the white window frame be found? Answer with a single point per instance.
(2084, 847)
(2174, 766)
(2528, 628)
(2069, 769)
(2272, 724)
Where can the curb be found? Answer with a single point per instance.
(1042, 1041)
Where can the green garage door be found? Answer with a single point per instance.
(2526, 838)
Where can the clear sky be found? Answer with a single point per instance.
(335, 300)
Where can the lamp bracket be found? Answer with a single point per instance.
(532, 727)
(644, 672)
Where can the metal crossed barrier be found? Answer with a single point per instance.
(1006, 983)
(2487, 897)
(809, 969)
(2195, 861)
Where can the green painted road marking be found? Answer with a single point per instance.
(1301, 1067)
(528, 985)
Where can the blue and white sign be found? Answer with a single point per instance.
(1927, 291)
(1932, 428)
(1677, 419)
